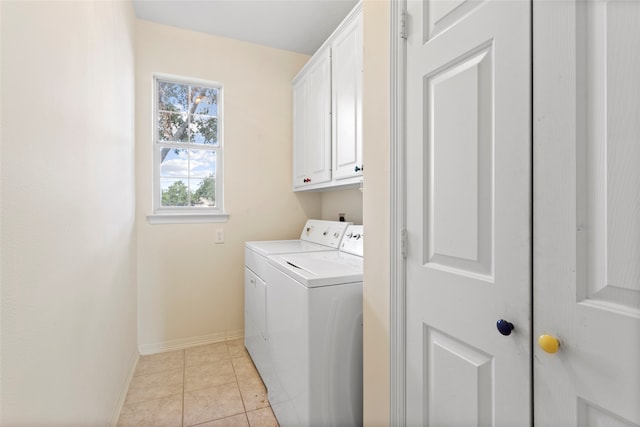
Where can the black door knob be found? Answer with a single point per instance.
(504, 327)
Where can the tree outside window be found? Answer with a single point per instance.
(187, 144)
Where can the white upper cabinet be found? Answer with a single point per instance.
(346, 92)
(327, 112)
(312, 123)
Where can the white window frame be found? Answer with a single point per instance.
(187, 214)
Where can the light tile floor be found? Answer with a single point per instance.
(213, 385)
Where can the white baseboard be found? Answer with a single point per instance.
(125, 389)
(180, 344)
(234, 335)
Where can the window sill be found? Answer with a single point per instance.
(187, 217)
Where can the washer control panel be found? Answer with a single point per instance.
(353, 240)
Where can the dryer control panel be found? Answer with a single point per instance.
(328, 233)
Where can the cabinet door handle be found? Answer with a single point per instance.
(504, 327)
(549, 343)
(358, 168)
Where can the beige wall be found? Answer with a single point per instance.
(68, 243)
(68, 224)
(191, 289)
(376, 212)
(348, 202)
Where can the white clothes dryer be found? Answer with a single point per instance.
(316, 236)
(314, 314)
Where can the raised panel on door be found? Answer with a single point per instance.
(587, 212)
(318, 147)
(468, 214)
(346, 65)
(460, 382)
(300, 90)
(459, 183)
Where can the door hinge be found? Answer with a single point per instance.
(403, 242)
(403, 24)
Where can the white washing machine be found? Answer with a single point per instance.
(314, 315)
(317, 235)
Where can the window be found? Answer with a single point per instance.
(187, 150)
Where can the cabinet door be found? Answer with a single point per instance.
(300, 175)
(312, 124)
(318, 156)
(347, 100)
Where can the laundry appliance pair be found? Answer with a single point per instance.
(303, 323)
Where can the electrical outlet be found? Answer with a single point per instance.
(219, 235)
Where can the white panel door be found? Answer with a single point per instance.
(468, 213)
(346, 90)
(319, 120)
(587, 212)
(312, 123)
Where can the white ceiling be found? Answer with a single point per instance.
(296, 25)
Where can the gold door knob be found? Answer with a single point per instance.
(548, 343)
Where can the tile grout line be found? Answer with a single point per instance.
(235, 375)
